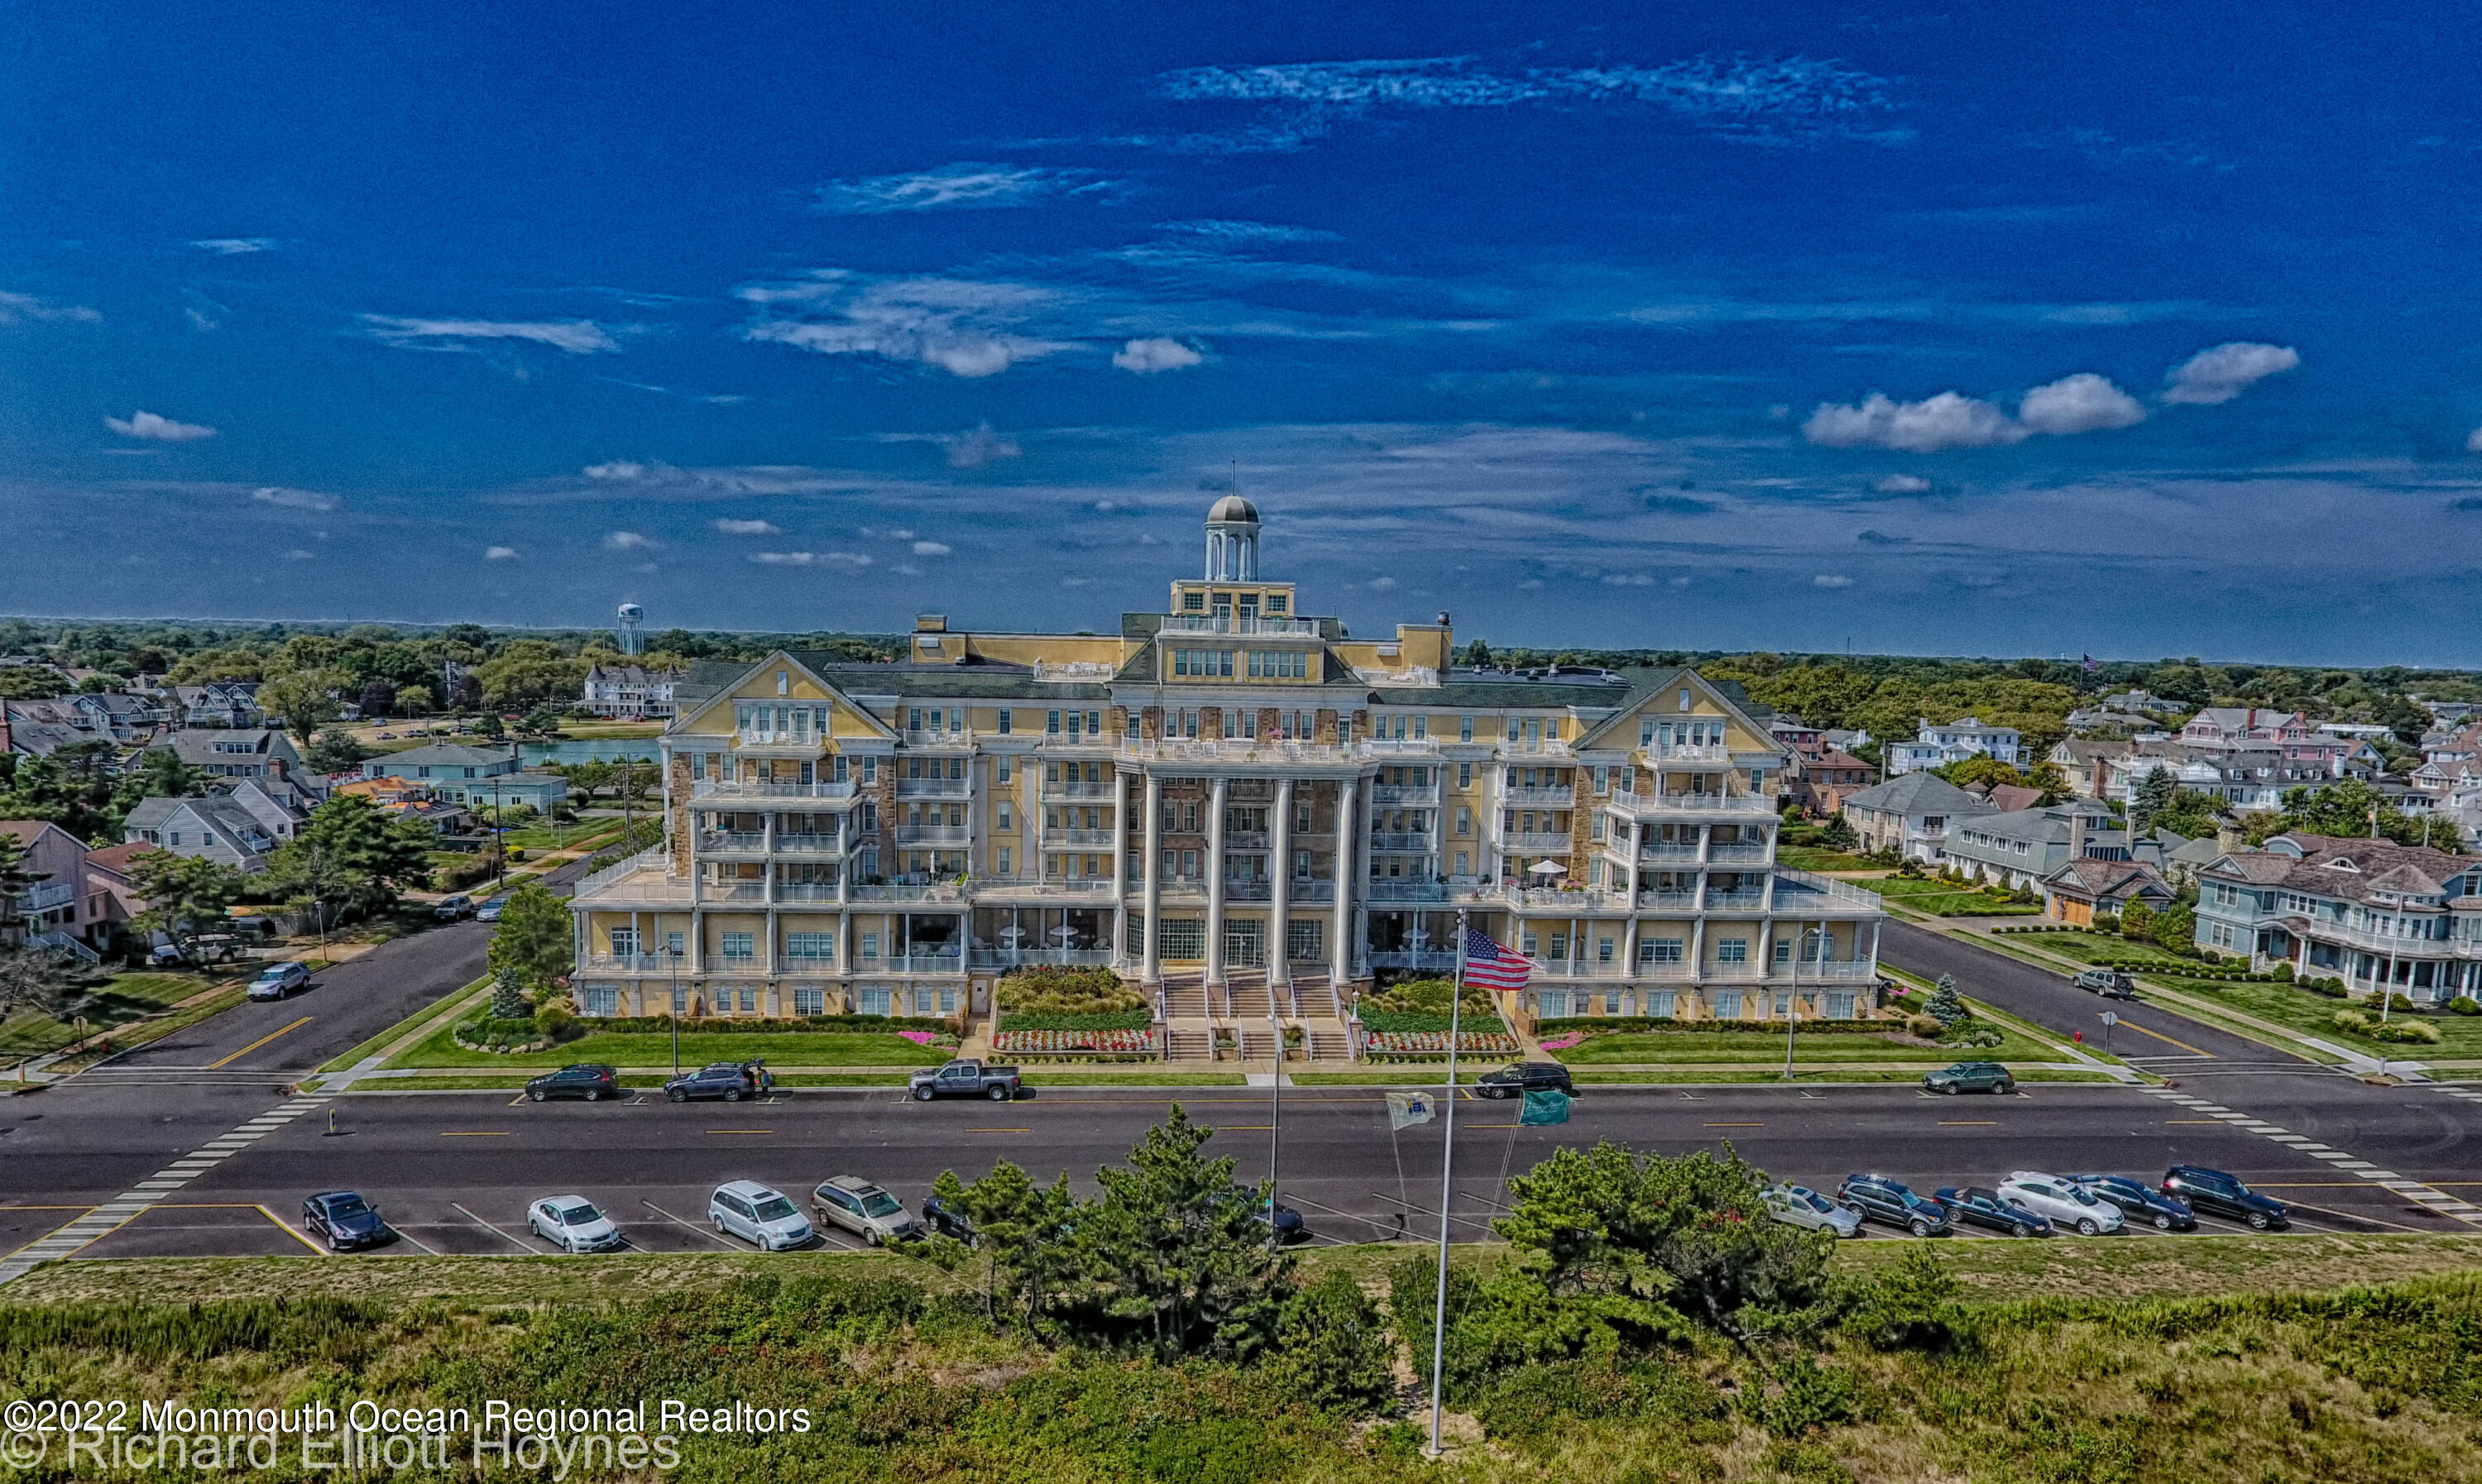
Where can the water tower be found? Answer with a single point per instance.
(631, 617)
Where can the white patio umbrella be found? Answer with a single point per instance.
(1547, 868)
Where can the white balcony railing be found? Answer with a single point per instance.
(805, 891)
(1735, 901)
(809, 844)
(1401, 841)
(1643, 804)
(916, 963)
(651, 858)
(1245, 839)
(944, 892)
(939, 739)
(47, 896)
(1064, 788)
(733, 891)
(1538, 798)
(934, 835)
(1535, 842)
(1014, 958)
(1249, 889)
(733, 842)
(935, 787)
(1688, 752)
(1740, 854)
(1408, 959)
(1667, 901)
(1402, 890)
(1668, 851)
(719, 788)
(1226, 624)
(1843, 893)
(1083, 840)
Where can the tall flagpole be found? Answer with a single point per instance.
(1275, 1121)
(1447, 1172)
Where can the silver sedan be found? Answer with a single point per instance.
(1799, 1205)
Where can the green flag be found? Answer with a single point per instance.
(1548, 1105)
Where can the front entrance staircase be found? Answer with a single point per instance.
(1230, 1023)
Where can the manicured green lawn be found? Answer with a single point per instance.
(123, 999)
(1809, 858)
(1942, 900)
(543, 837)
(655, 1048)
(2097, 947)
(1650, 1047)
(2460, 1036)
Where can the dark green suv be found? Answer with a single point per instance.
(1971, 1077)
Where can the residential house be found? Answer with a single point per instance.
(2242, 779)
(630, 691)
(1791, 732)
(1914, 816)
(406, 800)
(2081, 887)
(2372, 913)
(2022, 847)
(218, 827)
(52, 911)
(2085, 764)
(2183, 858)
(477, 777)
(247, 752)
(1821, 778)
(111, 898)
(215, 703)
(2007, 798)
(1845, 738)
(1938, 744)
(125, 719)
(278, 808)
(36, 739)
(2231, 728)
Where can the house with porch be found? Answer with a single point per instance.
(2375, 913)
(1913, 815)
(2082, 889)
(1940, 743)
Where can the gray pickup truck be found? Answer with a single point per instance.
(965, 1079)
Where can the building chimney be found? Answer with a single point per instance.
(2077, 834)
(276, 766)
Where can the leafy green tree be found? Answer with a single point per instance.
(1946, 1005)
(1477, 653)
(589, 778)
(379, 698)
(1981, 768)
(2349, 808)
(1665, 1236)
(336, 751)
(2137, 921)
(311, 880)
(2176, 928)
(32, 682)
(1333, 1348)
(508, 1000)
(530, 672)
(1174, 1250)
(542, 720)
(160, 773)
(182, 893)
(379, 857)
(534, 942)
(414, 700)
(306, 699)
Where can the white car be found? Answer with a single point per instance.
(573, 1222)
(2067, 1205)
(757, 1215)
(277, 980)
(1799, 1205)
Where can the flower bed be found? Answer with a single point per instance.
(1037, 1042)
(1435, 1043)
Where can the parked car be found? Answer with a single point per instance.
(490, 910)
(726, 1080)
(1799, 1205)
(764, 1217)
(343, 1219)
(1877, 1198)
(593, 1082)
(866, 1210)
(1524, 1078)
(2139, 1201)
(965, 1079)
(573, 1222)
(453, 908)
(2213, 1190)
(277, 980)
(948, 1221)
(1971, 1077)
(2068, 1204)
(2109, 983)
(1288, 1222)
(1980, 1205)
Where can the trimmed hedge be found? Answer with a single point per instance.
(807, 1024)
(1117, 1019)
(1059, 989)
(1651, 1024)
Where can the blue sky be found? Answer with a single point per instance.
(1997, 330)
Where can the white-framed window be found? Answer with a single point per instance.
(1005, 862)
(740, 945)
(809, 999)
(1659, 950)
(873, 998)
(1181, 938)
(870, 945)
(1305, 941)
(810, 945)
(602, 999)
(1731, 950)
(625, 940)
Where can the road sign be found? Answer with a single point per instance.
(2110, 1018)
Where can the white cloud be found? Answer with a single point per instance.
(201, 320)
(2473, 442)
(499, 553)
(908, 569)
(932, 548)
(1383, 584)
(576, 337)
(294, 499)
(1225, 231)
(853, 560)
(1156, 353)
(234, 247)
(1681, 581)
(297, 554)
(16, 308)
(960, 187)
(977, 446)
(748, 528)
(1948, 420)
(618, 469)
(627, 541)
(1903, 484)
(1627, 580)
(2223, 372)
(964, 328)
(158, 430)
(2082, 403)
(1829, 580)
(785, 558)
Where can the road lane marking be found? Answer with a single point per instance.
(415, 1240)
(999, 1131)
(260, 1042)
(710, 1234)
(487, 1227)
(712, 1132)
(1736, 1126)
(2168, 1041)
(1968, 1122)
(475, 1133)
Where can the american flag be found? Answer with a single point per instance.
(2090, 666)
(1493, 965)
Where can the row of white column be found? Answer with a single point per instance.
(1348, 865)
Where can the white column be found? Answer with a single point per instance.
(1152, 866)
(1119, 867)
(1767, 949)
(1035, 807)
(1340, 952)
(1279, 967)
(1215, 881)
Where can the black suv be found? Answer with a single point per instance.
(727, 1081)
(1980, 1205)
(2139, 1200)
(591, 1081)
(2212, 1190)
(343, 1219)
(949, 1221)
(1880, 1199)
(1524, 1078)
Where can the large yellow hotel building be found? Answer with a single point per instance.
(1230, 803)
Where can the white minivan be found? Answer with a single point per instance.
(762, 1217)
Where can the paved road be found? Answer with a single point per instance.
(454, 1171)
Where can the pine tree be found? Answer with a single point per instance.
(1946, 1005)
(508, 1000)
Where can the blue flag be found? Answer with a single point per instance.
(1548, 1105)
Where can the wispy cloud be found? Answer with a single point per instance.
(932, 548)
(2223, 372)
(1903, 484)
(1226, 232)
(294, 499)
(235, 247)
(158, 430)
(1830, 580)
(961, 187)
(20, 308)
(748, 528)
(2473, 442)
(499, 553)
(575, 337)
(850, 561)
(627, 541)
(1153, 354)
(966, 328)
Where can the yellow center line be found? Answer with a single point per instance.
(2166, 1040)
(715, 1132)
(1736, 1126)
(474, 1133)
(999, 1131)
(286, 1228)
(1968, 1122)
(260, 1042)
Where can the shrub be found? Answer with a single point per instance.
(1969, 1034)
(2361, 1023)
(2137, 923)
(1945, 1004)
(1051, 989)
(1333, 1348)
(2465, 1004)
(1431, 996)
(831, 1024)
(2107, 923)
(2332, 989)
(1116, 1019)
(1929, 1028)
(555, 1021)
(2283, 973)
(508, 1000)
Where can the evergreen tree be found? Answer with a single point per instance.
(1174, 1250)
(508, 1000)
(2155, 793)
(2176, 928)
(378, 856)
(1947, 1006)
